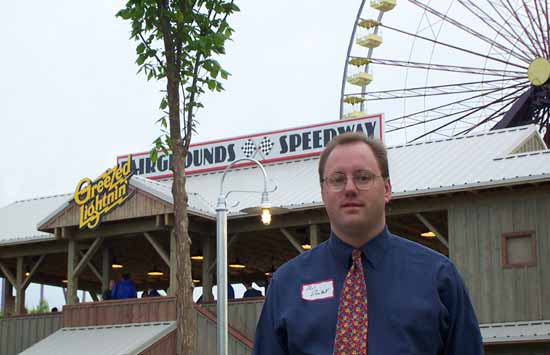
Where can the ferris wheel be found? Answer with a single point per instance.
(438, 69)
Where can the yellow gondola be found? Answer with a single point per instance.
(370, 41)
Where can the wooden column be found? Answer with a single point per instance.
(105, 269)
(208, 252)
(72, 285)
(314, 237)
(7, 298)
(19, 290)
(173, 268)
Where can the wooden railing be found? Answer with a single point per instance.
(242, 314)
(20, 332)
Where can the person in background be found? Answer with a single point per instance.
(251, 291)
(106, 295)
(124, 288)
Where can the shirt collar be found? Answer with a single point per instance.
(373, 250)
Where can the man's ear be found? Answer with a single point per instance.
(387, 190)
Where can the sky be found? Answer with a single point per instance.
(71, 100)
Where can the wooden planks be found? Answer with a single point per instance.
(19, 333)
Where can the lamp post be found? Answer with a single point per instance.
(221, 247)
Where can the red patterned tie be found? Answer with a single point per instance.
(351, 328)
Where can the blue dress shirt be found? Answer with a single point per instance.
(417, 302)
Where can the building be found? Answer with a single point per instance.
(484, 198)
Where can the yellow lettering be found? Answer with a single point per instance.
(82, 191)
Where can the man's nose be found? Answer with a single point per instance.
(350, 186)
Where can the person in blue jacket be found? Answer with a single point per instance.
(414, 298)
(124, 288)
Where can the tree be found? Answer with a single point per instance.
(178, 41)
(42, 307)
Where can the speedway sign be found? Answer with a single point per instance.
(293, 143)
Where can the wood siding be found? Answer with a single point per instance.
(19, 333)
(518, 349)
(475, 229)
(242, 315)
(164, 346)
(120, 312)
(140, 204)
(207, 336)
(532, 144)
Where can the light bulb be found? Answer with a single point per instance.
(266, 216)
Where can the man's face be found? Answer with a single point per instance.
(353, 211)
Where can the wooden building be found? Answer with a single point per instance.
(483, 200)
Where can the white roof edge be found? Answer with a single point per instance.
(53, 213)
(156, 338)
(479, 185)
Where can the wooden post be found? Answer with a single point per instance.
(208, 250)
(105, 269)
(314, 237)
(6, 298)
(173, 268)
(72, 286)
(19, 289)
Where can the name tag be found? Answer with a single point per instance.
(318, 291)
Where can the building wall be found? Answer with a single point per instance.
(475, 227)
(19, 333)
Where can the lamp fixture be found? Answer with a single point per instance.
(428, 234)
(305, 245)
(65, 281)
(155, 271)
(115, 264)
(27, 272)
(270, 272)
(195, 281)
(237, 264)
(197, 257)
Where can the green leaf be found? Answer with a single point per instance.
(140, 48)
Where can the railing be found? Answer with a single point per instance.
(20, 332)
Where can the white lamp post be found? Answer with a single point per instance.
(221, 242)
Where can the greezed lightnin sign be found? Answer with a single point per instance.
(99, 197)
(293, 143)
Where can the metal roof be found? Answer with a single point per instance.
(440, 166)
(120, 339)
(18, 220)
(515, 332)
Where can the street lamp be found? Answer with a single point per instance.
(221, 242)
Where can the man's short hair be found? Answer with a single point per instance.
(377, 147)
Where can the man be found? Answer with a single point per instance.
(250, 291)
(364, 290)
(124, 288)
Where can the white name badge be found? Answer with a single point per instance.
(318, 291)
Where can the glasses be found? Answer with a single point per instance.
(362, 179)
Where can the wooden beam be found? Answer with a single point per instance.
(121, 229)
(291, 238)
(9, 276)
(296, 219)
(88, 256)
(91, 266)
(72, 285)
(229, 243)
(105, 268)
(160, 250)
(94, 296)
(36, 249)
(173, 264)
(428, 225)
(314, 237)
(208, 252)
(33, 270)
(19, 291)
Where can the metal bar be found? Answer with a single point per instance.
(431, 227)
(453, 47)
(454, 102)
(467, 29)
(514, 14)
(89, 255)
(532, 22)
(490, 118)
(221, 306)
(292, 240)
(488, 20)
(461, 117)
(350, 46)
(449, 68)
(160, 250)
(32, 272)
(541, 28)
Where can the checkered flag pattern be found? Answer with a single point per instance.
(265, 145)
(248, 148)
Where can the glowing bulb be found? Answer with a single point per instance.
(266, 216)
